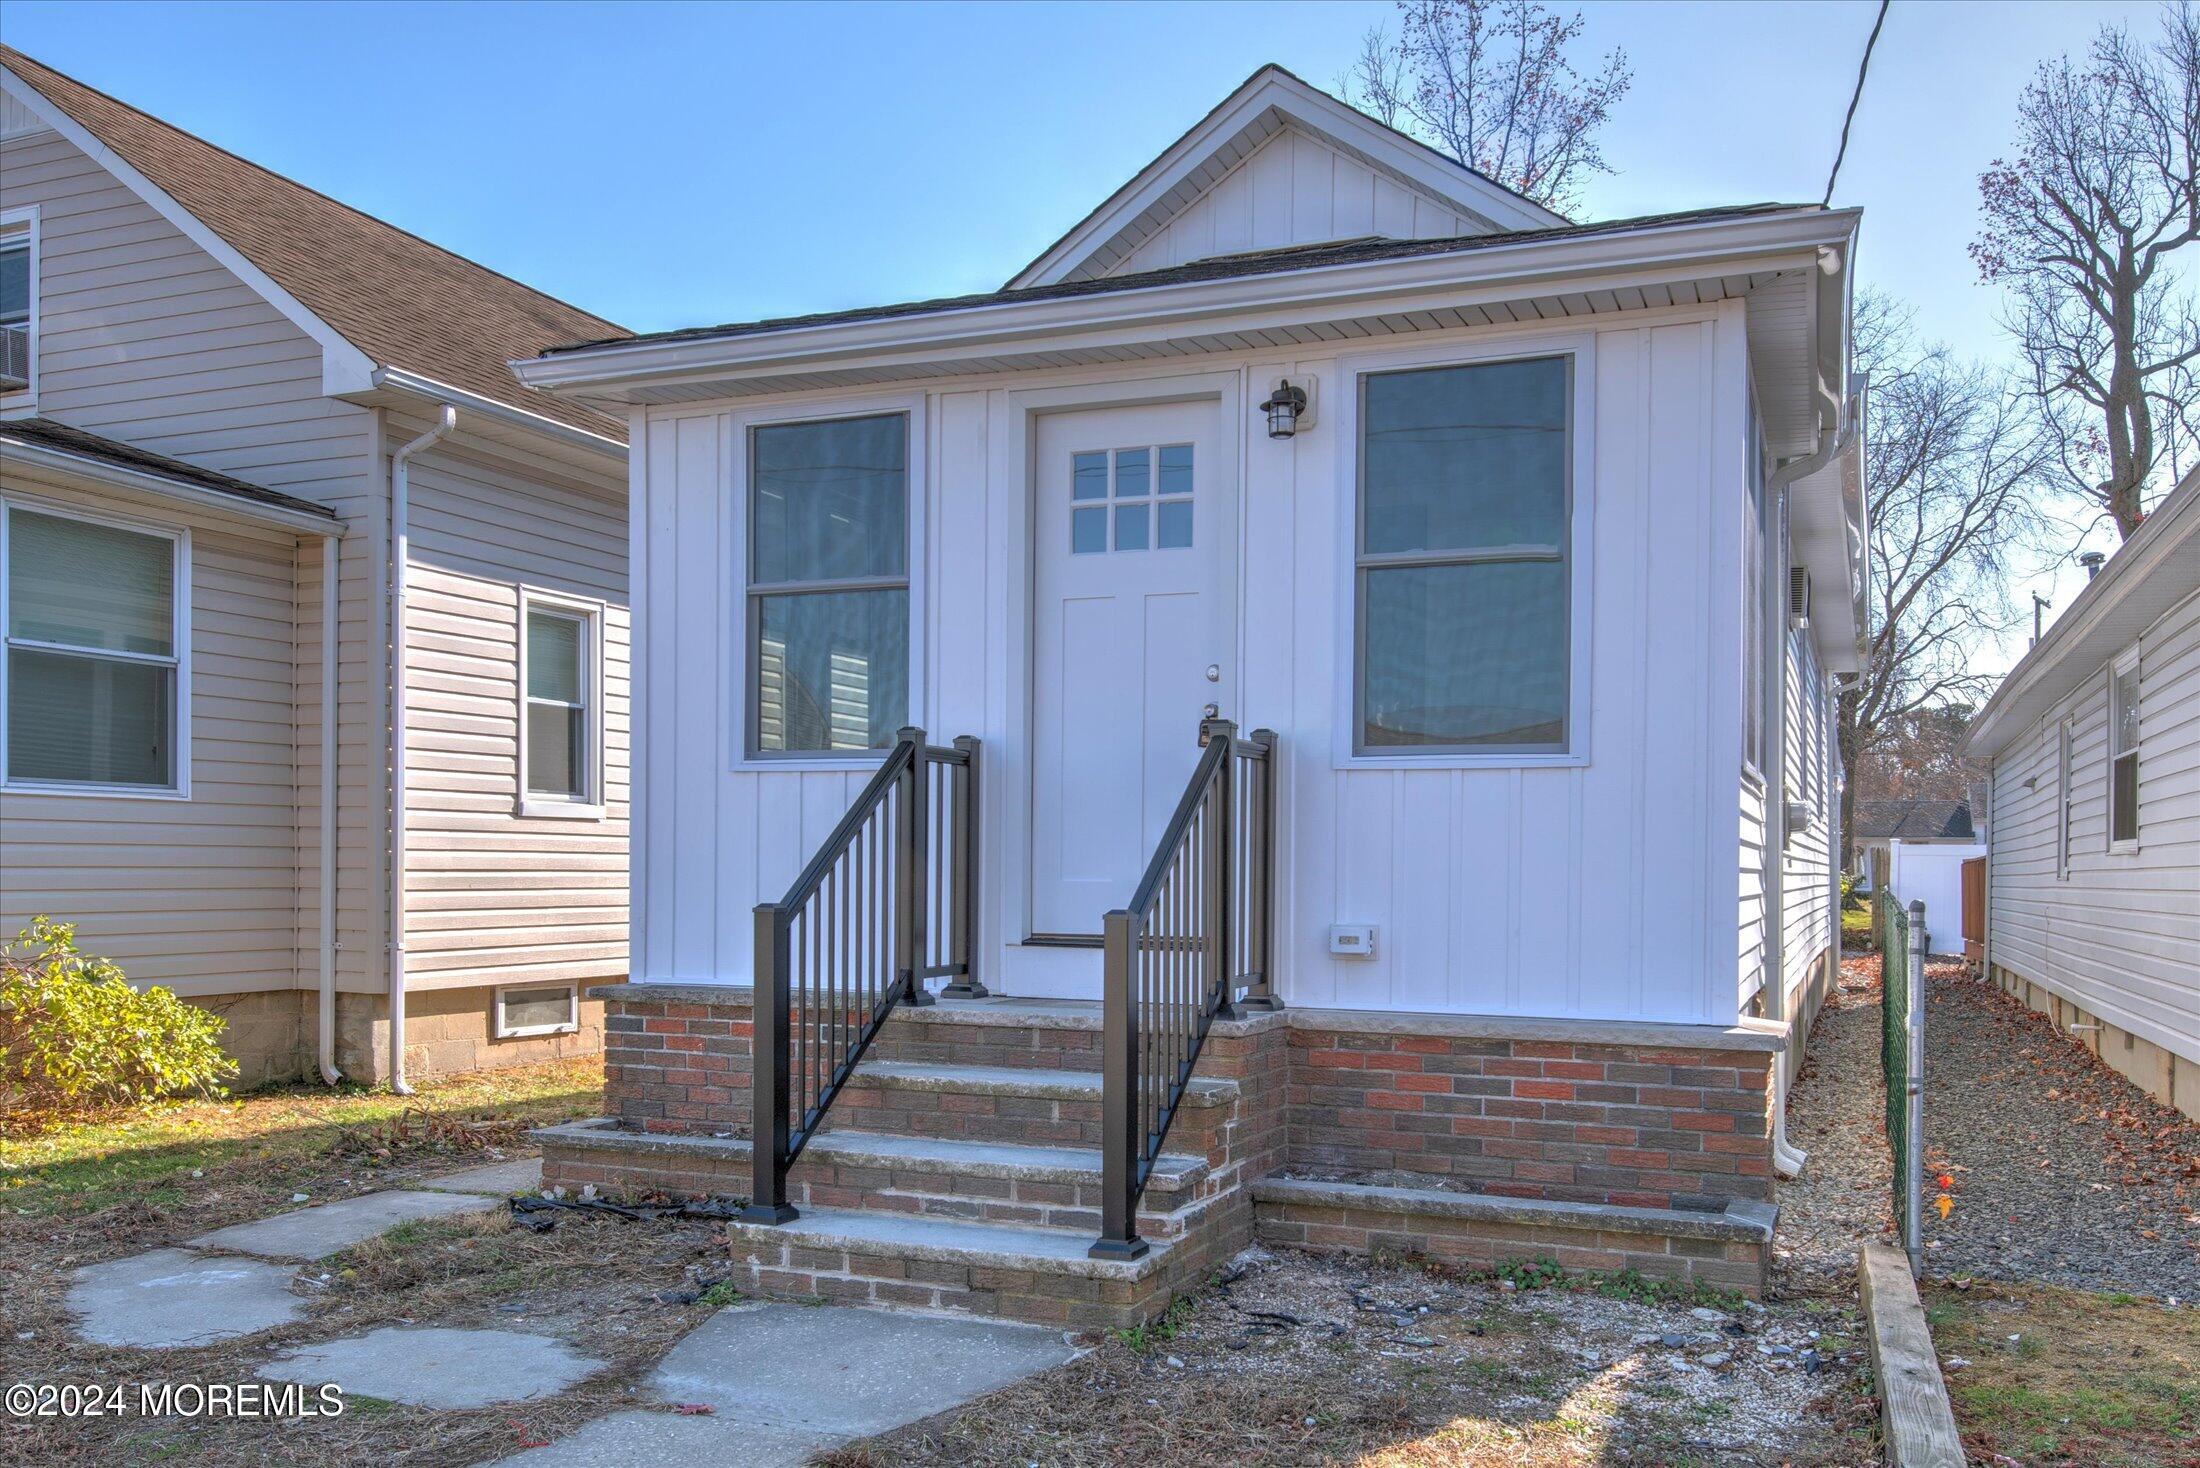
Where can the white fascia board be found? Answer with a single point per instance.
(344, 368)
(1493, 271)
(198, 496)
(2157, 569)
(397, 379)
(1408, 160)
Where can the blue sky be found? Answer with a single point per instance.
(666, 165)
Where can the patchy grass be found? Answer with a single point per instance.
(2112, 1380)
(281, 1140)
(1300, 1359)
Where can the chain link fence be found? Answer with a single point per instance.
(1902, 948)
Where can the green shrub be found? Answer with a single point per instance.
(76, 1038)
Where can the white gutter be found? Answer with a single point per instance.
(400, 581)
(325, 1042)
(397, 379)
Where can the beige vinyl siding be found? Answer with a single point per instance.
(2121, 936)
(196, 894)
(492, 896)
(145, 338)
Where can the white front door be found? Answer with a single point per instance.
(1130, 641)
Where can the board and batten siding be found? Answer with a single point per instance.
(2120, 937)
(146, 338)
(1598, 890)
(1295, 190)
(492, 896)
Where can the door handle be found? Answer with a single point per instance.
(1214, 672)
(1214, 711)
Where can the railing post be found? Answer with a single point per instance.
(967, 807)
(1119, 1097)
(1914, 1092)
(1261, 899)
(768, 1072)
(1219, 912)
(910, 885)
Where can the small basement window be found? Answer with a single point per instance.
(541, 1009)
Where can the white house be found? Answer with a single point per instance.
(1530, 548)
(245, 431)
(2093, 871)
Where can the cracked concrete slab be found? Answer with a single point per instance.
(500, 1179)
(431, 1366)
(624, 1439)
(314, 1233)
(851, 1372)
(174, 1297)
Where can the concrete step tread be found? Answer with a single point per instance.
(908, 1236)
(992, 1159)
(1012, 1080)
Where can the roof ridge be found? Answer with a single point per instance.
(11, 57)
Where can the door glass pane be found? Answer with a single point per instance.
(1088, 478)
(1133, 477)
(557, 757)
(1465, 457)
(1464, 655)
(554, 656)
(1088, 531)
(93, 721)
(1174, 524)
(1176, 468)
(1130, 527)
(832, 670)
(830, 500)
(87, 585)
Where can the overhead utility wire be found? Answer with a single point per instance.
(1854, 97)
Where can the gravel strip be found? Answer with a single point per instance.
(1837, 1114)
(2062, 1170)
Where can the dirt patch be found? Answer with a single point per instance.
(2040, 1375)
(1299, 1359)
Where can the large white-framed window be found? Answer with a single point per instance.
(830, 501)
(18, 308)
(561, 706)
(2123, 754)
(2063, 783)
(1467, 640)
(95, 682)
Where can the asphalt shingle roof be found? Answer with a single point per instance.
(1219, 267)
(403, 302)
(45, 433)
(1913, 820)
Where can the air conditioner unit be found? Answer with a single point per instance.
(15, 358)
(1798, 596)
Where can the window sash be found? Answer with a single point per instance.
(13, 247)
(759, 592)
(2123, 755)
(2063, 801)
(1366, 561)
(580, 734)
(174, 710)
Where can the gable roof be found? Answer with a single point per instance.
(59, 439)
(1271, 99)
(1913, 820)
(1282, 261)
(397, 299)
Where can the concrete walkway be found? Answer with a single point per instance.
(756, 1384)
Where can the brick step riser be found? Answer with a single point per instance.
(1021, 1047)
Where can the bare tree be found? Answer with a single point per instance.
(1489, 82)
(1953, 478)
(2085, 227)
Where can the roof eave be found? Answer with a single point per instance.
(144, 481)
(599, 371)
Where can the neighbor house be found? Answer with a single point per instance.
(243, 428)
(2093, 869)
(1915, 849)
(1366, 647)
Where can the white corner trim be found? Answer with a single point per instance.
(344, 368)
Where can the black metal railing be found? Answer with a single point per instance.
(888, 901)
(1192, 946)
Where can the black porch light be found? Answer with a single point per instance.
(1283, 408)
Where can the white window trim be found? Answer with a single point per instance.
(2065, 794)
(180, 624)
(535, 805)
(25, 400)
(1345, 404)
(740, 757)
(504, 1031)
(2123, 666)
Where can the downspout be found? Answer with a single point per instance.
(326, 1040)
(400, 581)
(1787, 1160)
